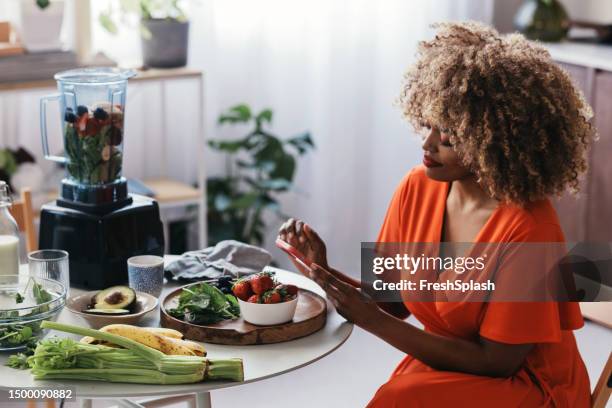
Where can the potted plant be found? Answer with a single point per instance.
(164, 29)
(260, 167)
(41, 24)
(544, 20)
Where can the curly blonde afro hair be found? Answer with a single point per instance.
(515, 118)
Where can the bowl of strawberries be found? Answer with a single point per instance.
(264, 301)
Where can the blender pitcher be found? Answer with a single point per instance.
(92, 109)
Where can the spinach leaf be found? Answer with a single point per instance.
(40, 294)
(205, 304)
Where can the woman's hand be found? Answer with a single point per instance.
(348, 300)
(299, 235)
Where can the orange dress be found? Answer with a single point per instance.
(553, 374)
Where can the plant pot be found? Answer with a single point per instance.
(166, 43)
(544, 20)
(41, 28)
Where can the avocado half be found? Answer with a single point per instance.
(116, 297)
(114, 312)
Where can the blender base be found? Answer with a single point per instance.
(97, 198)
(99, 245)
(94, 208)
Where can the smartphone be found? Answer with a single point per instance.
(294, 253)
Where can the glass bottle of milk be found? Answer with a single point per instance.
(9, 234)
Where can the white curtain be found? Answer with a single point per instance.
(333, 68)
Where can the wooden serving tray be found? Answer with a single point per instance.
(310, 316)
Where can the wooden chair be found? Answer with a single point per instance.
(47, 404)
(24, 215)
(601, 393)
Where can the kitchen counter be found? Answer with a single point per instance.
(598, 56)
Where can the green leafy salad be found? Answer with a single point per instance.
(23, 334)
(205, 304)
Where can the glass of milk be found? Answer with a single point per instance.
(9, 235)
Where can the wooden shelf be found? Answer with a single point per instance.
(170, 191)
(143, 75)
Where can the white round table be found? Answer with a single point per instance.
(260, 361)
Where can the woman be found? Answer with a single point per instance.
(504, 127)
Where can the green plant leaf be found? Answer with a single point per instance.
(245, 201)
(107, 23)
(269, 149)
(269, 203)
(43, 4)
(236, 114)
(8, 163)
(178, 11)
(285, 168)
(302, 143)
(146, 9)
(227, 146)
(263, 116)
(130, 6)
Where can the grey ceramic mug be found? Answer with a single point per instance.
(146, 274)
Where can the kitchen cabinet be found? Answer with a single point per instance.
(588, 216)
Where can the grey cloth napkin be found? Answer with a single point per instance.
(227, 258)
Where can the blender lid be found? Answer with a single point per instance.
(94, 75)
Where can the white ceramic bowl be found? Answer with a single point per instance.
(262, 314)
(145, 304)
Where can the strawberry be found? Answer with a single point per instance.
(92, 127)
(82, 123)
(261, 283)
(272, 296)
(282, 290)
(242, 289)
(254, 299)
(287, 292)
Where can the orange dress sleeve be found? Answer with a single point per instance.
(530, 322)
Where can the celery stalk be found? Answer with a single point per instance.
(135, 363)
(149, 353)
(229, 369)
(138, 376)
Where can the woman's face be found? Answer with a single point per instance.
(440, 159)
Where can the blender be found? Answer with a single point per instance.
(95, 219)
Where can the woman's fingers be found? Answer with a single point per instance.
(294, 233)
(311, 234)
(299, 231)
(290, 229)
(341, 286)
(282, 231)
(334, 287)
(288, 232)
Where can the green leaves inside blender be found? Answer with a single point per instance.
(92, 140)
